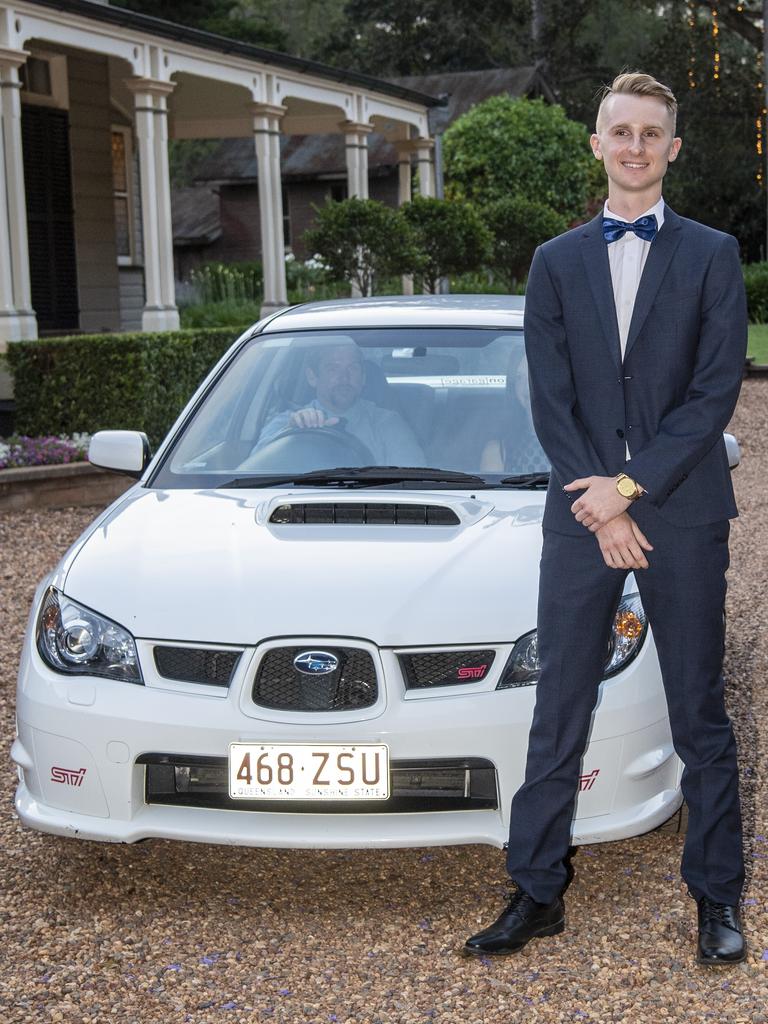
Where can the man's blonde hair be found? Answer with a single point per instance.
(635, 83)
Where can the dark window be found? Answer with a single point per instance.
(337, 191)
(50, 217)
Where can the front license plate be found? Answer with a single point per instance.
(308, 771)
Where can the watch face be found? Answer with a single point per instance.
(627, 488)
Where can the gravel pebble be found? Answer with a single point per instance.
(176, 932)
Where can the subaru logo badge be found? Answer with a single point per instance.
(316, 663)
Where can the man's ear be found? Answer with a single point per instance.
(675, 148)
(594, 141)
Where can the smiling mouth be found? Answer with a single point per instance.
(633, 166)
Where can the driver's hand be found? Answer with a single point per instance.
(313, 418)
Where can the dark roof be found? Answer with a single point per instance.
(223, 44)
(302, 157)
(467, 88)
(312, 156)
(195, 213)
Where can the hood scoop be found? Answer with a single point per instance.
(363, 513)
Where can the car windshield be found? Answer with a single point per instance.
(364, 404)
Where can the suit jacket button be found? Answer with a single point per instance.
(619, 433)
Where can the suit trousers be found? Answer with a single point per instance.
(683, 594)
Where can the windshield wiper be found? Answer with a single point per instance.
(362, 476)
(525, 480)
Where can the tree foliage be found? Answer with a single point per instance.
(402, 37)
(360, 240)
(258, 23)
(507, 147)
(450, 236)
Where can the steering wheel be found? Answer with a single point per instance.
(303, 449)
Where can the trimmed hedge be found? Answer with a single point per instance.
(93, 382)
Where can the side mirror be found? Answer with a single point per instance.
(123, 451)
(734, 452)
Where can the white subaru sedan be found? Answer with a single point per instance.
(312, 621)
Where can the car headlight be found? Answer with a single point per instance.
(627, 635)
(75, 640)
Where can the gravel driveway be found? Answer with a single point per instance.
(164, 932)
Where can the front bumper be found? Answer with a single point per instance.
(80, 743)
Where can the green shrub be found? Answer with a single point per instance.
(220, 314)
(519, 225)
(362, 241)
(756, 284)
(519, 147)
(101, 381)
(451, 238)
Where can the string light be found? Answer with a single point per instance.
(692, 47)
(715, 34)
(760, 122)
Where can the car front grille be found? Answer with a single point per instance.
(430, 785)
(350, 687)
(196, 664)
(445, 668)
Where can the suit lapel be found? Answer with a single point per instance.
(661, 252)
(594, 252)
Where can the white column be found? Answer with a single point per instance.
(266, 134)
(151, 108)
(17, 318)
(404, 172)
(356, 147)
(404, 176)
(425, 168)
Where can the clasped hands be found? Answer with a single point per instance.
(603, 511)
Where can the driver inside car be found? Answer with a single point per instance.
(336, 374)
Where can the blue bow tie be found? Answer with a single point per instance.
(644, 227)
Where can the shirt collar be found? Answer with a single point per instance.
(657, 209)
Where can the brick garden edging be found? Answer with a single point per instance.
(75, 483)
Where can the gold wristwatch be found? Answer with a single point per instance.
(627, 487)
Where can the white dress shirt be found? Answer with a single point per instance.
(627, 258)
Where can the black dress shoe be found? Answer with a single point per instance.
(721, 941)
(523, 919)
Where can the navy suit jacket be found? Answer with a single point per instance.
(677, 387)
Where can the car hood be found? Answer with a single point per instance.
(208, 566)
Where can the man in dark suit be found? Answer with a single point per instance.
(636, 332)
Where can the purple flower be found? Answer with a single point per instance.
(229, 1006)
(765, 954)
(750, 902)
(284, 991)
(20, 450)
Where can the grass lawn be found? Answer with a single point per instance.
(757, 345)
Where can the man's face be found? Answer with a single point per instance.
(635, 142)
(339, 378)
